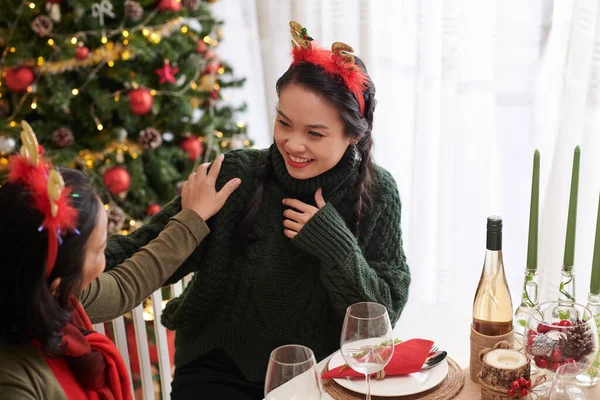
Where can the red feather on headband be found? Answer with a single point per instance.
(337, 62)
(48, 195)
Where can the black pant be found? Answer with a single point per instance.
(213, 376)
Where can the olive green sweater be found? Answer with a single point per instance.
(25, 375)
(278, 291)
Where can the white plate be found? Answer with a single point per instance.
(402, 385)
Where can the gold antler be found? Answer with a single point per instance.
(56, 184)
(29, 148)
(299, 35)
(343, 50)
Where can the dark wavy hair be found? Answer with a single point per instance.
(29, 310)
(356, 126)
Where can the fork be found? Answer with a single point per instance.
(434, 348)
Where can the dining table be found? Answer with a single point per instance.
(448, 327)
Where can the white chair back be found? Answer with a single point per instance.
(141, 339)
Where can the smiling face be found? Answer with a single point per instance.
(308, 132)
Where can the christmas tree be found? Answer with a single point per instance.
(127, 91)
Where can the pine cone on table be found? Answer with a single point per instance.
(543, 345)
(576, 342)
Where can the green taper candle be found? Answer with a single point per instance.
(595, 282)
(532, 243)
(569, 258)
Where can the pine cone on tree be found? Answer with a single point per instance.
(42, 25)
(133, 10)
(576, 342)
(116, 218)
(191, 5)
(4, 108)
(63, 137)
(543, 345)
(150, 138)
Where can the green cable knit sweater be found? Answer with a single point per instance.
(281, 291)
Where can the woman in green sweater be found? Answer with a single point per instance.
(313, 228)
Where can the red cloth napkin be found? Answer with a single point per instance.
(408, 357)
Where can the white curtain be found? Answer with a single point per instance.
(466, 90)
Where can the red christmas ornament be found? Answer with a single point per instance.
(140, 101)
(166, 73)
(117, 180)
(169, 5)
(82, 52)
(201, 46)
(214, 94)
(18, 79)
(152, 209)
(192, 146)
(41, 150)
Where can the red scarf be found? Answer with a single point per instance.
(91, 366)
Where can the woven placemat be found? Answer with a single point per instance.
(447, 389)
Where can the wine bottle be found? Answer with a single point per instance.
(492, 307)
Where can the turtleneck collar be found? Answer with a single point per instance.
(329, 181)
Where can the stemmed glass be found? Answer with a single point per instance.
(292, 362)
(565, 386)
(561, 334)
(366, 343)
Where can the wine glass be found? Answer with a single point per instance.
(289, 362)
(565, 386)
(367, 344)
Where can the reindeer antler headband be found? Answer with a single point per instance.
(338, 62)
(49, 196)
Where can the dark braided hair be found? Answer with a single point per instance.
(356, 126)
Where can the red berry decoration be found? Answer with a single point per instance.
(192, 146)
(511, 392)
(522, 382)
(565, 322)
(82, 52)
(41, 150)
(140, 101)
(152, 209)
(544, 328)
(515, 385)
(530, 336)
(18, 79)
(556, 355)
(117, 180)
(554, 366)
(541, 362)
(523, 392)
